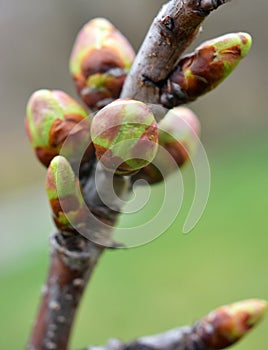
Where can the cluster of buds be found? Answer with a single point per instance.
(125, 138)
(123, 135)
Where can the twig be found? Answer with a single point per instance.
(179, 338)
(220, 329)
(171, 32)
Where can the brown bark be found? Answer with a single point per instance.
(171, 32)
(183, 338)
(71, 265)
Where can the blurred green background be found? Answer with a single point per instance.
(177, 278)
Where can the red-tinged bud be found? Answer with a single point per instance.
(226, 325)
(178, 134)
(205, 68)
(65, 198)
(100, 61)
(125, 136)
(52, 118)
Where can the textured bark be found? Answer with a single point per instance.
(171, 32)
(71, 265)
(176, 339)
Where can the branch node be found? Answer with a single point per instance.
(168, 23)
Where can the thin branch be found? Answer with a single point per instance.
(176, 339)
(171, 32)
(220, 329)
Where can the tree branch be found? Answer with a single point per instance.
(73, 258)
(72, 262)
(180, 339)
(171, 32)
(220, 329)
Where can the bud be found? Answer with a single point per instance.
(125, 136)
(227, 324)
(52, 117)
(178, 133)
(205, 68)
(64, 195)
(99, 63)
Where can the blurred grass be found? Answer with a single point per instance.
(175, 279)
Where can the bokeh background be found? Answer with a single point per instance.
(177, 278)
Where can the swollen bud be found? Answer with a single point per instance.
(52, 117)
(65, 198)
(125, 136)
(99, 63)
(205, 68)
(178, 134)
(226, 325)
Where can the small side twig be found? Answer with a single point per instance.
(220, 329)
(180, 339)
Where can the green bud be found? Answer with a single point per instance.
(178, 133)
(64, 195)
(125, 136)
(99, 63)
(52, 117)
(205, 68)
(228, 324)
